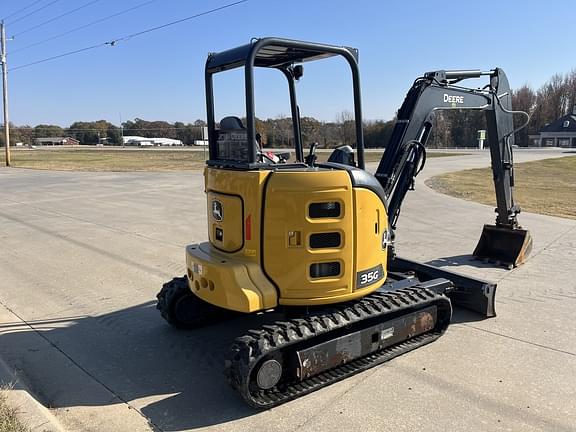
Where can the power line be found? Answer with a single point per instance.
(21, 9)
(113, 42)
(125, 38)
(57, 17)
(122, 12)
(60, 56)
(35, 11)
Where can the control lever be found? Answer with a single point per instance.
(311, 158)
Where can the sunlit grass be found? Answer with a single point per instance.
(9, 421)
(97, 159)
(546, 186)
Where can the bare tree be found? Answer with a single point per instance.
(346, 127)
(279, 131)
(571, 90)
(524, 99)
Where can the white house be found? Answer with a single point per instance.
(150, 142)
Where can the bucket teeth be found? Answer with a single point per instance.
(509, 247)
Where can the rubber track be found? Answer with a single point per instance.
(166, 297)
(248, 350)
(206, 314)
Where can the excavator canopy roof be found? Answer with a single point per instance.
(274, 52)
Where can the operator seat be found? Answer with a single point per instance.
(235, 123)
(231, 123)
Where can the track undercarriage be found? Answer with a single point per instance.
(314, 347)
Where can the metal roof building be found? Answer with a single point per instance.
(559, 133)
(147, 142)
(56, 141)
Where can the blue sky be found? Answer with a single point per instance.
(159, 76)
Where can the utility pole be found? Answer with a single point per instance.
(5, 94)
(121, 130)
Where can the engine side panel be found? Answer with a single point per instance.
(288, 254)
(371, 236)
(322, 237)
(291, 237)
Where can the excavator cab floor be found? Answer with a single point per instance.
(508, 247)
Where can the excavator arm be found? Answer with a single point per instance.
(505, 242)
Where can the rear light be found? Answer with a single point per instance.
(248, 227)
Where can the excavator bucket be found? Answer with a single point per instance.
(507, 246)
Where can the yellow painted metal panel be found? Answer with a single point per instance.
(235, 283)
(262, 263)
(287, 261)
(371, 224)
(225, 221)
(249, 186)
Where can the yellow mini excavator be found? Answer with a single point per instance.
(316, 240)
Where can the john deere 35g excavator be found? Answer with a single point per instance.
(315, 240)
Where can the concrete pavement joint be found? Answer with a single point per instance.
(99, 196)
(35, 416)
(488, 401)
(57, 348)
(109, 228)
(520, 340)
(533, 256)
(368, 374)
(80, 244)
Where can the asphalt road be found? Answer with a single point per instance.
(84, 254)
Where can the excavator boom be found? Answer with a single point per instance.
(505, 242)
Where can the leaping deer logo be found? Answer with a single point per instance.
(217, 211)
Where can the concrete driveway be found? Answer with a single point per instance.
(84, 254)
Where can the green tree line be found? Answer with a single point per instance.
(102, 131)
(275, 132)
(454, 128)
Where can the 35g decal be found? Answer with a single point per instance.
(368, 277)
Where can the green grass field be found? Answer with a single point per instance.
(547, 186)
(102, 159)
(107, 160)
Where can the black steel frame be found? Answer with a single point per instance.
(291, 52)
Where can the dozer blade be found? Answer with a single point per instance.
(467, 292)
(506, 246)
